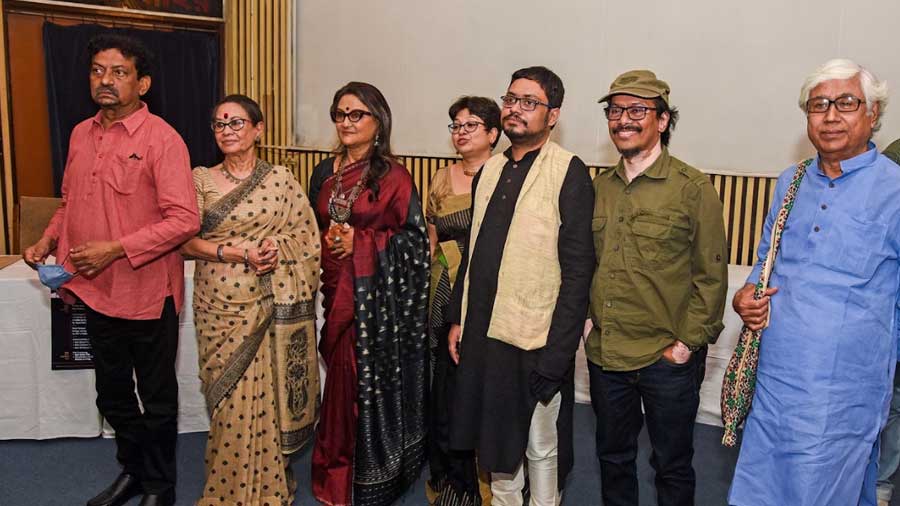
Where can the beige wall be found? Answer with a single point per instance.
(735, 67)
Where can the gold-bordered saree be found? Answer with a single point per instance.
(256, 337)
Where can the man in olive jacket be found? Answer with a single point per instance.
(657, 296)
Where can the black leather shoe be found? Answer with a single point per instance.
(167, 499)
(124, 488)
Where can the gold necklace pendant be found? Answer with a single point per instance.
(468, 172)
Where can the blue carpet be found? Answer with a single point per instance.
(66, 472)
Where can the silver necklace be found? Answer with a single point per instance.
(234, 179)
(340, 204)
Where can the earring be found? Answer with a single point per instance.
(377, 137)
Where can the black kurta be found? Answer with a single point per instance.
(499, 385)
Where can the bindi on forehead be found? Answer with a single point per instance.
(226, 115)
(349, 102)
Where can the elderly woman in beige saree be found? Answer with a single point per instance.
(255, 282)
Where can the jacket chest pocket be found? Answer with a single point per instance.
(124, 174)
(660, 238)
(598, 228)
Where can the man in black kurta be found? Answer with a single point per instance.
(500, 387)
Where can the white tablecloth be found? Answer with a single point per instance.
(37, 403)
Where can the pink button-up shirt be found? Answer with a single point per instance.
(130, 182)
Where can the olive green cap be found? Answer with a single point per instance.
(639, 83)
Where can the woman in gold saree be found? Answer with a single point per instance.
(474, 130)
(255, 282)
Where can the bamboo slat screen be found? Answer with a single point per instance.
(745, 202)
(745, 199)
(259, 63)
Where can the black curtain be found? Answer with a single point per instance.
(185, 85)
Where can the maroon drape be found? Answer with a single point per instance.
(376, 221)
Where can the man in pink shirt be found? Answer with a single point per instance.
(128, 203)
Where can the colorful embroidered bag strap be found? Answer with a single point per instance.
(739, 381)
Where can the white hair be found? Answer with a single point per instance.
(875, 91)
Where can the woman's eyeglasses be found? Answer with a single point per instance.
(355, 115)
(235, 125)
(468, 127)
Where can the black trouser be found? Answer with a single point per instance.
(145, 349)
(670, 395)
(457, 467)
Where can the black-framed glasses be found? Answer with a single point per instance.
(526, 103)
(355, 115)
(844, 103)
(468, 127)
(635, 112)
(235, 124)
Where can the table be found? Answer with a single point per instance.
(37, 403)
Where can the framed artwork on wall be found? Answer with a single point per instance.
(206, 8)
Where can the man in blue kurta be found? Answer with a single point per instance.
(828, 354)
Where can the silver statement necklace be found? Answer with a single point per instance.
(234, 179)
(340, 204)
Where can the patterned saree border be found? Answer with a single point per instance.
(243, 357)
(217, 213)
(295, 311)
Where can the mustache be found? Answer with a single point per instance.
(515, 116)
(628, 128)
(109, 89)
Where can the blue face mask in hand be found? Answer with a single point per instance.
(54, 276)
